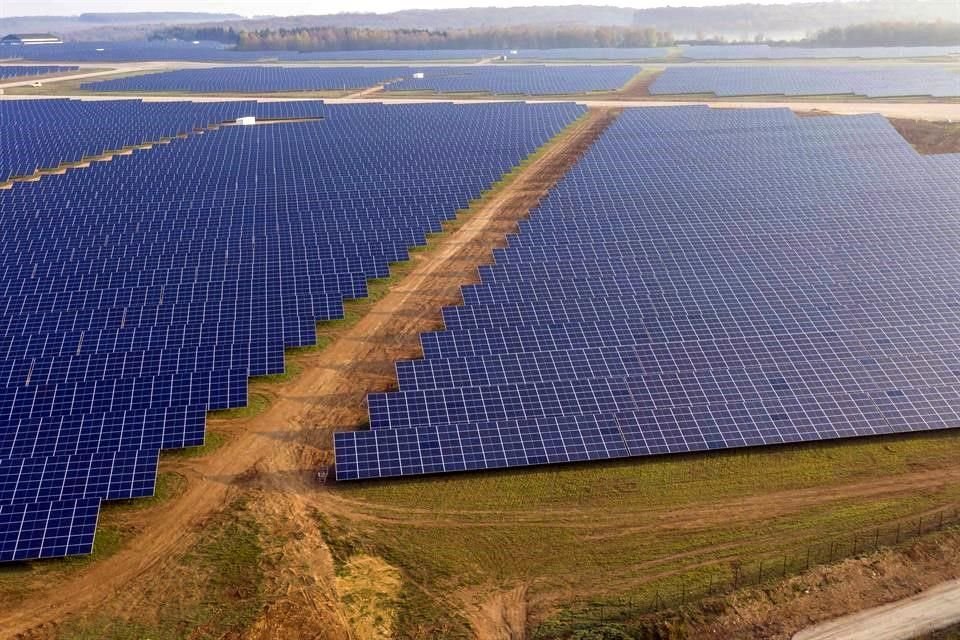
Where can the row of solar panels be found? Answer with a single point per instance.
(25, 71)
(868, 81)
(872, 82)
(43, 134)
(500, 80)
(215, 52)
(702, 279)
(140, 293)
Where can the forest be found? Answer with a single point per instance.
(889, 34)
(353, 38)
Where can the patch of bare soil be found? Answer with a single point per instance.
(929, 138)
(639, 86)
(501, 615)
(272, 458)
(369, 588)
(827, 592)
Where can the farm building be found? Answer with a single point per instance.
(22, 39)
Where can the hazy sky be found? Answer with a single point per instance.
(295, 7)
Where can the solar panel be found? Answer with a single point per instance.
(25, 71)
(702, 279)
(138, 294)
(862, 80)
(48, 529)
(492, 79)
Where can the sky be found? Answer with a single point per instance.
(298, 7)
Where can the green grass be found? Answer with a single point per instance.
(213, 440)
(219, 593)
(631, 530)
(668, 480)
(256, 404)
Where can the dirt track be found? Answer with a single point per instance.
(277, 453)
(929, 611)
(914, 110)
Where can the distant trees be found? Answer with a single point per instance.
(356, 38)
(889, 34)
(213, 34)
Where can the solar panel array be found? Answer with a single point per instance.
(254, 79)
(43, 134)
(142, 51)
(20, 71)
(872, 82)
(493, 79)
(140, 293)
(767, 52)
(702, 279)
(519, 79)
(599, 53)
(397, 54)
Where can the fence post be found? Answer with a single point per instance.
(831, 551)
(876, 539)
(919, 525)
(710, 588)
(808, 559)
(760, 572)
(854, 545)
(940, 526)
(683, 592)
(898, 533)
(784, 565)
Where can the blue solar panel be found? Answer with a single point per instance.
(255, 79)
(767, 52)
(862, 80)
(493, 79)
(48, 529)
(519, 79)
(8, 72)
(140, 293)
(112, 475)
(32, 131)
(702, 279)
(599, 53)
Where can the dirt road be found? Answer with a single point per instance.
(913, 110)
(925, 612)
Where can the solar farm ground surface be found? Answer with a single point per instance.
(241, 541)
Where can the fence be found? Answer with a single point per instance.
(724, 577)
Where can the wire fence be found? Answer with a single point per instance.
(724, 576)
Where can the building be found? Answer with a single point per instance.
(22, 39)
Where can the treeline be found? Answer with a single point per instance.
(354, 38)
(889, 34)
